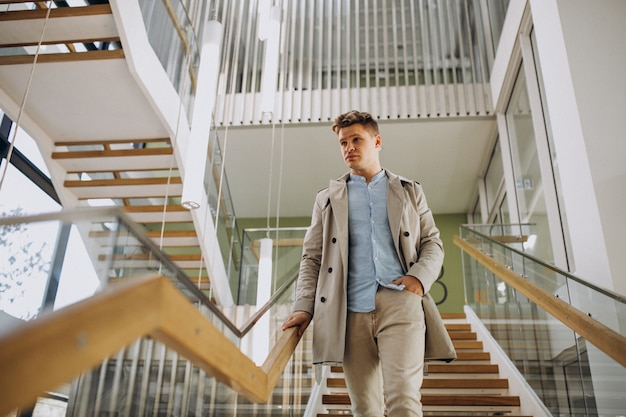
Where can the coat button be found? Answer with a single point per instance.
(406, 234)
(330, 270)
(323, 299)
(334, 240)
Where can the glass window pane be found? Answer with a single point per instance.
(494, 178)
(526, 171)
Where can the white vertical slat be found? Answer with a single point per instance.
(470, 54)
(426, 63)
(316, 62)
(200, 388)
(354, 44)
(367, 95)
(334, 64)
(291, 59)
(400, 92)
(405, 104)
(441, 51)
(375, 90)
(462, 57)
(416, 108)
(454, 62)
(307, 99)
(328, 59)
(238, 23)
(299, 16)
(386, 57)
(100, 387)
(249, 38)
(145, 377)
(345, 83)
(435, 58)
(159, 380)
(255, 61)
(171, 383)
(117, 380)
(482, 57)
(133, 352)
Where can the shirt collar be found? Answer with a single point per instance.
(375, 178)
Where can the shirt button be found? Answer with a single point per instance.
(330, 270)
(406, 234)
(334, 240)
(323, 299)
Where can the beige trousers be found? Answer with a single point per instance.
(384, 357)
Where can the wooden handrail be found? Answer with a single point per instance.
(45, 353)
(604, 338)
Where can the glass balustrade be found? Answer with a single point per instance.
(57, 259)
(568, 373)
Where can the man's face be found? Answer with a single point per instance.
(359, 149)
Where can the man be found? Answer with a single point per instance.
(369, 257)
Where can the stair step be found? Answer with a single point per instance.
(454, 327)
(452, 368)
(467, 344)
(462, 335)
(426, 413)
(452, 316)
(448, 368)
(104, 159)
(472, 356)
(476, 383)
(466, 400)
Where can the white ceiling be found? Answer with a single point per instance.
(446, 156)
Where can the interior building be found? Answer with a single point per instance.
(208, 122)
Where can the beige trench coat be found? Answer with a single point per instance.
(321, 289)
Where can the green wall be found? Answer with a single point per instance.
(452, 278)
(448, 225)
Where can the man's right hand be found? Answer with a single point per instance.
(300, 319)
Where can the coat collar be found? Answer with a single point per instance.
(338, 194)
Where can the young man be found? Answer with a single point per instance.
(369, 257)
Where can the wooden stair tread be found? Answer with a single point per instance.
(467, 344)
(434, 368)
(467, 400)
(461, 335)
(112, 153)
(452, 316)
(454, 327)
(117, 182)
(426, 414)
(442, 383)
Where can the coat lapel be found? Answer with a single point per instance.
(395, 203)
(338, 194)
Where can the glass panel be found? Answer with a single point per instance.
(286, 254)
(528, 181)
(171, 35)
(494, 178)
(497, 13)
(147, 379)
(570, 375)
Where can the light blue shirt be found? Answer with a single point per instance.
(372, 257)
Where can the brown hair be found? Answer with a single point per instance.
(353, 117)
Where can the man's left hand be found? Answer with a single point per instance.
(411, 284)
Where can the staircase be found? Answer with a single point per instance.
(139, 178)
(469, 386)
(97, 130)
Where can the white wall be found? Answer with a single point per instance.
(594, 33)
(571, 72)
